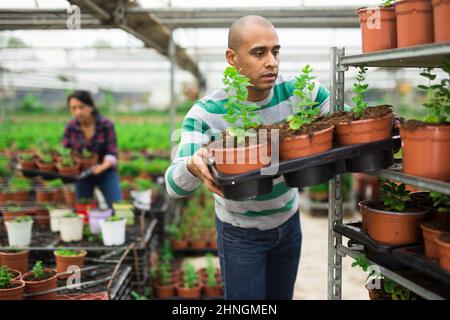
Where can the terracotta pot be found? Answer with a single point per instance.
(216, 291)
(42, 216)
(44, 196)
(15, 260)
(71, 171)
(414, 22)
(365, 216)
(164, 292)
(50, 167)
(11, 215)
(64, 262)
(126, 194)
(443, 242)
(87, 163)
(41, 286)
(179, 244)
(426, 152)
(58, 195)
(364, 131)
(200, 244)
(5, 197)
(16, 274)
(378, 294)
(20, 196)
(395, 228)
(378, 28)
(28, 165)
(303, 145)
(69, 198)
(189, 293)
(430, 232)
(441, 18)
(240, 160)
(213, 243)
(15, 293)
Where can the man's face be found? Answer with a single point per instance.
(258, 56)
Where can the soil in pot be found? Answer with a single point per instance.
(414, 22)
(66, 258)
(48, 282)
(426, 149)
(375, 125)
(395, 228)
(431, 230)
(443, 242)
(14, 291)
(308, 140)
(15, 259)
(378, 37)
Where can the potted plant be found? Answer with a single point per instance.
(113, 231)
(40, 280)
(426, 144)
(145, 189)
(394, 221)
(176, 241)
(19, 231)
(190, 286)
(414, 22)
(305, 133)
(69, 195)
(10, 289)
(441, 18)
(125, 187)
(239, 150)
(45, 162)
(13, 211)
(198, 240)
(15, 258)
(164, 285)
(56, 213)
(363, 124)
(27, 161)
(20, 188)
(443, 242)
(55, 186)
(87, 159)
(68, 167)
(66, 259)
(42, 214)
(378, 27)
(71, 227)
(44, 194)
(95, 216)
(213, 284)
(124, 209)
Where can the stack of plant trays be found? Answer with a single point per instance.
(310, 170)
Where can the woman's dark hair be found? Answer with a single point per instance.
(86, 98)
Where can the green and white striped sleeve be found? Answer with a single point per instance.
(180, 182)
(323, 99)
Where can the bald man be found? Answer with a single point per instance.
(258, 240)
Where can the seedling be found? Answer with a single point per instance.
(387, 3)
(438, 103)
(70, 215)
(86, 154)
(5, 278)
(164, 273)
(304, 111)
(394, 196)
(67, 253)
(114, 218)
(396, 291)
(440, 201)
(190, 277)
(210, 271)
(46, 159)
(125, 185)
(38, 271)
(55, 184)
(145, 184)
(26, 157)
(174, 232)
(67, 162)
(240, 115)
(359, 88)
(23, 219)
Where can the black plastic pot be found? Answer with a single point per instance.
(370, 162)
(55, 175)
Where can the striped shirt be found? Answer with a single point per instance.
(205, 119)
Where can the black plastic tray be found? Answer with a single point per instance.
(311, 170)
(375, 251)
(30, 173)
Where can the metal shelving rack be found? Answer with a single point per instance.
(415, 57)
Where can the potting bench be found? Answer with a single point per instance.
(424, 277)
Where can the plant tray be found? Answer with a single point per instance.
(30, 173)
(308, 171)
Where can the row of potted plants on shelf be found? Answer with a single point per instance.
(401, 218)
(15, 279)
(404, 23)
(186, 282)
(143, 168)
(426, 144)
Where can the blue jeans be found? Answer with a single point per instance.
(107, 182)
(259, 264)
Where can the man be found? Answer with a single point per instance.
(259, 240)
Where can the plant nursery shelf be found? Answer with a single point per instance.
(413, 57)
(395, 173)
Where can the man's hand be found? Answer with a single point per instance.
(198, 167)
(99, 168)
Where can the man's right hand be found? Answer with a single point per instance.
(197, 165)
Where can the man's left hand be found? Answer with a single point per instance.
(98, 168)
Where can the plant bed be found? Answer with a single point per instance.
(253, 183)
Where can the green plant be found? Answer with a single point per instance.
(210, 271)
(66, 162)
(396, 291)
(125, 185)
(387, 3)
(394, 196)
(137, 296)
(190, 277)
(46, 158)
(86, 154)
(67, 252)
(166, 252)
(174, 232)
(114, 218)
(438, 104)
(23, 219)
(26, 157)
(240, 115)
(55, 184)
(5, 278)
(19, 184)
(359, 88)
(304, 111)
(145, 184)
(70, 215)
(440, 201)
(38, 270)
(164, 273)
(158, 166)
